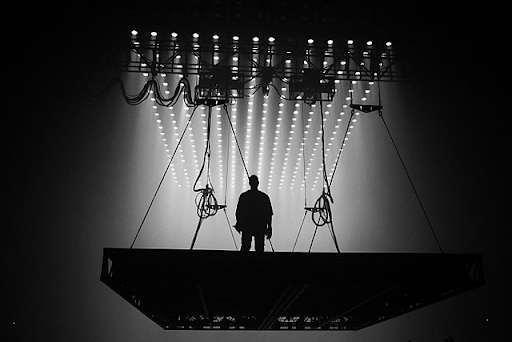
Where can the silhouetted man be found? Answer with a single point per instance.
(254, 217)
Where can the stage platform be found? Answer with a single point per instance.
(225, 290)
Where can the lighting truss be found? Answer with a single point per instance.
(309, 71)
(229, 290)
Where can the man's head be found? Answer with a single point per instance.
(254, 182)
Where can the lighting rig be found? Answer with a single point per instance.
(315, 291)
(223, 70)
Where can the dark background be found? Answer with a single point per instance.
(65, 167)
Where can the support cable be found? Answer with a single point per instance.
(163, 176)
(407, 172)
(206, 203)
(226, 187)
(412, 184)
(342, 146)
(321, 213)
(236, 140)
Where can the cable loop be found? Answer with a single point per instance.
(206, 203)
(321, 213)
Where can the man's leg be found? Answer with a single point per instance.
(259, 242)
(246, 241)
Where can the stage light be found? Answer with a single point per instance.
(134, 33)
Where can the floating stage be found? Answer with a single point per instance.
(228, 290)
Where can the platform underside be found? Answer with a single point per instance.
(224, 290)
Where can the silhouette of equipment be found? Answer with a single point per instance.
(227, 290)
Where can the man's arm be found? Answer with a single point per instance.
(269, 220)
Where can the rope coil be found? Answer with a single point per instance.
(321, 213)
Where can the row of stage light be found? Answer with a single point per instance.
(256, 39)
(270, 60)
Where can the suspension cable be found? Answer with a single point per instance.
(338, 156)
(236, 141)
(321, 213)
(206, 203)
(304, 179)
(163, 176)
(411, 182)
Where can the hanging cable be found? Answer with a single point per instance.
(163, 177)
(412, 184)
(205, 201)
(338, 156)
(152, 86)
(321, 212)
(236, 141)
(303, 144)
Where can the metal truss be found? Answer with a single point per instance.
(229, 290)
(240, 67)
